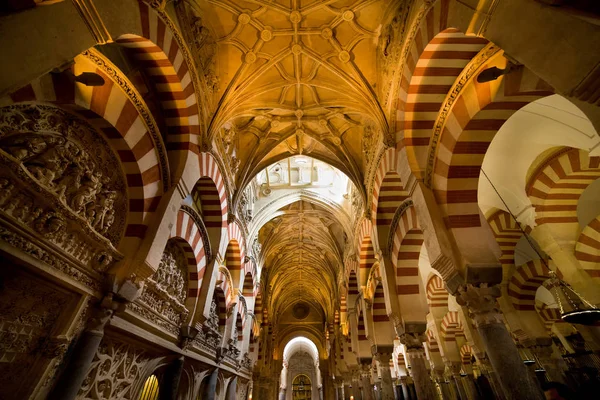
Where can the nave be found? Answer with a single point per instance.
(299, 199)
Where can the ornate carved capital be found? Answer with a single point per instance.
(412, 340)
(481, 302)
(103, 313)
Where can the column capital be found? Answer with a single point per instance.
(412, 340)
(481, 302)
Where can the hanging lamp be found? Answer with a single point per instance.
(573, 307)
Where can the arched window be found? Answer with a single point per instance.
(150, 389)
(301, 387)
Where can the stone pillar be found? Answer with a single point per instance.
(440, 381)
(169, 387)
(554, 366)
(418, 370)
(469, 383)
(356, 385)
(232, 389)
(79, 364)
(365, 374)
(499, 346)
(211, 386)
(387, 386)
(404, 385)
(488, 372)
(454, 369)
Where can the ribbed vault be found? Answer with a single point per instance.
(294, 77)
(302, 250)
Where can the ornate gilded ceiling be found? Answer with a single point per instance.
(301, 250)
(287, 78)
(292, 77)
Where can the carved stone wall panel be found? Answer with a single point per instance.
(31, 313)
(118, 371)
(162, 299)
(68, 159)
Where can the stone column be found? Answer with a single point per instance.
(415, 353)
(554, 367)
(79, 364)
(500, 348)
(454, 369)
(488, 372)
(232, 389)
(169, 387)
(387, 386)
(365, 374)
(404, 385)
(469, 382)
(356, 385)
(440, 381)
(211, 386)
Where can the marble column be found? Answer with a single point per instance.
(387, 386)
(210, 389)
(499, 346)
(232, 389)
(169, 387)
(418, 370)
(365, 374)
(82, 356)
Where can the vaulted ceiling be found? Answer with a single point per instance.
(302, 249)
(293, 77)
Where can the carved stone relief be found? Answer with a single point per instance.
(163, 297)
(69, 159)
(118, 371)
(29, 312)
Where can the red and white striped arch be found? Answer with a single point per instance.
(387, 188)
(378, 308)
(186, 232)
(221, 299)
(550, 316)
(214, 206)
(587, 248)
(406, 247)
(112, 112)
(555, 187)
(507, 233)
(224, 283)
(472, 122)
(524, 283)
(432, 345)
(437, 296)
(235, 254)
(438, 56)
(451, 327)
(367, 259)
(466, 353)
(170, 69)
